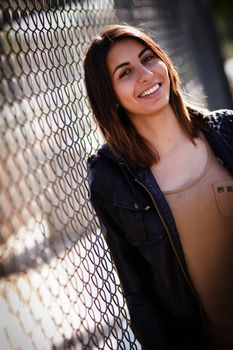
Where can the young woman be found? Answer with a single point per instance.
(162, 187)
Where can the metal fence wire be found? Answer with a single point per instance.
(58, 286)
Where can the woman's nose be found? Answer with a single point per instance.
(144, 74)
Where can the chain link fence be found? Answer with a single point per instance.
(58, 287)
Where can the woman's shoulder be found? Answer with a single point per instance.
(103, 157)
(218, 118)
(103, 168)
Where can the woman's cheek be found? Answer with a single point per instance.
(123, 89)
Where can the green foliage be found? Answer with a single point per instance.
(222, 11)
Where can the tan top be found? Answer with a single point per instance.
(203, 211)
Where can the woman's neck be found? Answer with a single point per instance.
(162, 131)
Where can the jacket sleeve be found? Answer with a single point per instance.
(133, 271)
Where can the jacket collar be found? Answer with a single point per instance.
(106, 151)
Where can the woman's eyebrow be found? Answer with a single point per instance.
(126, 63)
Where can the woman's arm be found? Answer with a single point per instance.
(134, 273)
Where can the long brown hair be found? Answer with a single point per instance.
(118, 131)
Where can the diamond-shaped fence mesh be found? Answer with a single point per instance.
(58, 286)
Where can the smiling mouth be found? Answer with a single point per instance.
(151, 90)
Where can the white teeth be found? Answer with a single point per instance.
(150, 91)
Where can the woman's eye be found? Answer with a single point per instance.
(124, 73)
(148, 58)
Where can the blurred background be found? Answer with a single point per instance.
(222, 16)
(58, 286)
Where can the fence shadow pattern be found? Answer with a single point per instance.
(58, 286)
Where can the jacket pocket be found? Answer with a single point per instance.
(224, 197)
(139, 221)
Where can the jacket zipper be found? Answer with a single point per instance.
(174, 248)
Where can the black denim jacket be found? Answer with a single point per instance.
(140, 231)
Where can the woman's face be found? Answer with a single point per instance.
(140, 79)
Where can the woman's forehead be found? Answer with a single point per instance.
(128, 42)
(125, 48)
